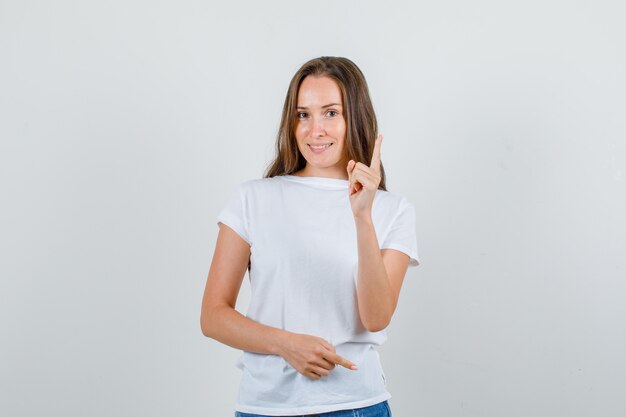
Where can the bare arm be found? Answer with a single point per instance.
(380, 277)
(219, 320)
(380, 272)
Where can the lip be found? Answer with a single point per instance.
(317, 151)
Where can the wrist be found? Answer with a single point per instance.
(279, 341)
(363, 219)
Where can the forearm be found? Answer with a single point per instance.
(375, 296)
(228, 326)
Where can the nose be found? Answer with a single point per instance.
(317, 130)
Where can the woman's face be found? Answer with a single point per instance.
(320, 121)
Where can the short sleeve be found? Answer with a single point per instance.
(402, 235)
(233, 214)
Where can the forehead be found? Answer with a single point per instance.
(318, 91)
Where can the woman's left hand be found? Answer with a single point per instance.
(364, 181)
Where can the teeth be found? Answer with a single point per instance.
(320, 147)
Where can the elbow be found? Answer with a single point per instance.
(376, 325)
(204, 326)
(377, 322)
(212, 318)
(379, 317)
(207, 319)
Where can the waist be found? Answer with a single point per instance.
(270, 382)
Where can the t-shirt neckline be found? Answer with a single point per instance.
(337, 183)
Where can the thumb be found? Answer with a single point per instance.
(350, 166)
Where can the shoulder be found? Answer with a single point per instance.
(390, 202)
(256, 186)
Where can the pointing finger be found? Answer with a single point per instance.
(375, 164)
(339, 360)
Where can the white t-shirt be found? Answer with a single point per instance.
(303, 276)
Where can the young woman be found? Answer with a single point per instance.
(326, 247)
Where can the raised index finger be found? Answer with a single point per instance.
(375, 163)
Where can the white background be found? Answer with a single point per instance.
(125, 125)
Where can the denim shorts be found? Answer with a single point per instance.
(377, 410)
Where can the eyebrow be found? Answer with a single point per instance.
(327, 105)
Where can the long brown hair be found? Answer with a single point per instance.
(361, 125)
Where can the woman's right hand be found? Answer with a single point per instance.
(310, 355)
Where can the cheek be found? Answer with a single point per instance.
(301, 131)
(341, 131)
(341, 126)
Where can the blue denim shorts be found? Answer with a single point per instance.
(377, 410)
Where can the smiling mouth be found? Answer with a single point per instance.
(320, 147)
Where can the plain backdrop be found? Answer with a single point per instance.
(125, 126)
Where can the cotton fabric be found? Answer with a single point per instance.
(382, 409)
(303, 276)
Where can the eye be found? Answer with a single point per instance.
(301, 115)
(332, 111)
